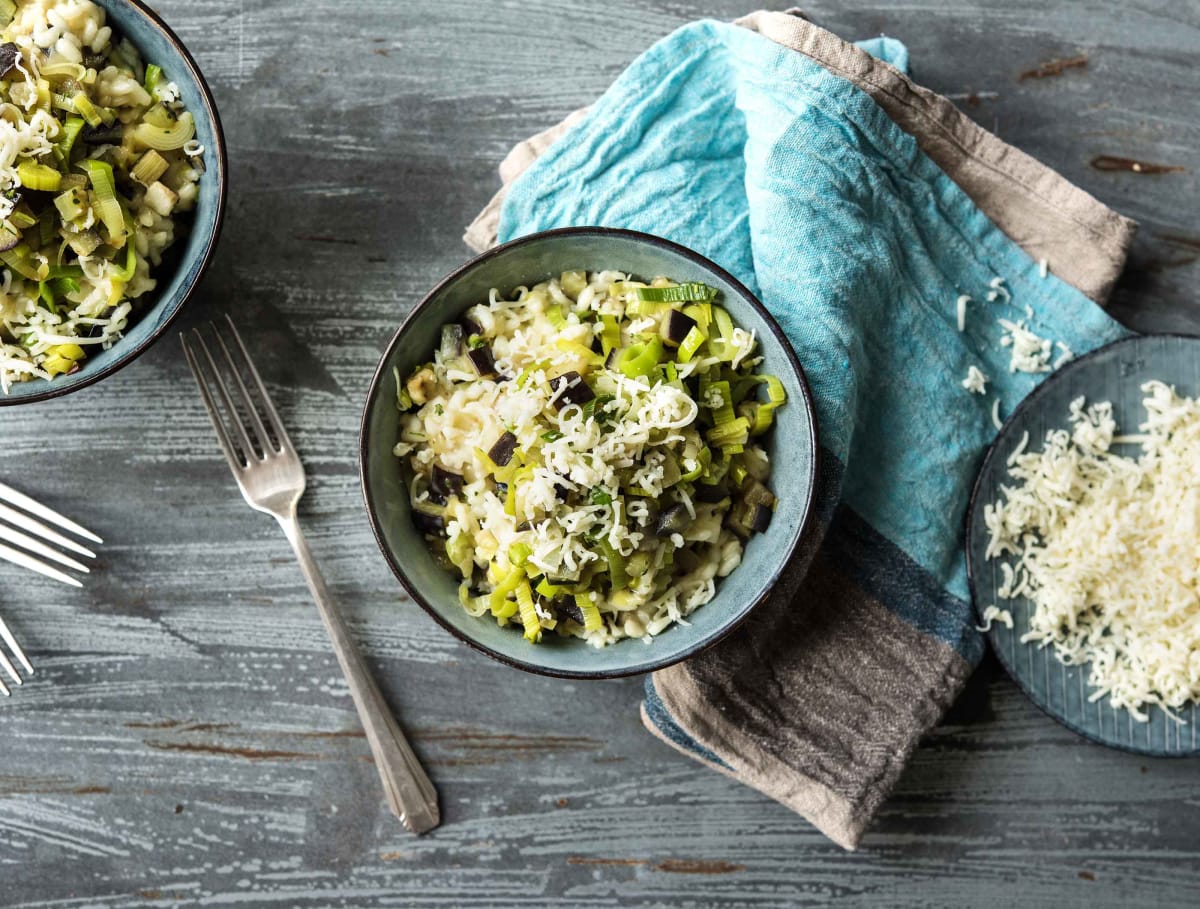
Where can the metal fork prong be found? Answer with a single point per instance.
(37, 528)
(231, 455)
(27, 561)
(15, 648)
(4, 690)
(38, 510)
(260, 430)
(29, 544)
(285, 442)
(8, 667)
(223, 392)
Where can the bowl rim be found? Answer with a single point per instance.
(58, 389)
(696, 647)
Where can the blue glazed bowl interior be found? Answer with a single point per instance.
(791, 446)
(186, 260)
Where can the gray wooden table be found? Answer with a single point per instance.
(189, 741)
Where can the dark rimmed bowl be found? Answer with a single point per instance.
(186, 261)
(791, 444)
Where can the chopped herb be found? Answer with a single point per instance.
(600, 497)
(552, 436)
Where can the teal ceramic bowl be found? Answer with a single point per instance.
(185, 262)
(791, 445)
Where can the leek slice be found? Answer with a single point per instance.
(591, 615)
(107, 207)
(166, 138)
(125, 275)
(498, 600)
(86, 109)
(38, 177)
(20, 259)
(638, 360)
(690, 344)
(71, 129)
(529, 616)
(610, 334)
(678, 293)
(149, 168)
(153, 77)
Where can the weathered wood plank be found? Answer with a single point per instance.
(189, 742)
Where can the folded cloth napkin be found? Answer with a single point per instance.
(859, 207)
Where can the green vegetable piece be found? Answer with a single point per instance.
(166, 138)
(107, 207)
(529, 616)
(38, 177)
(600, 497)
(153, 77)
(679, 293)
(86, 109)
(71, 129)
(591, 615)
(639, 360)
(71, 205)
(149, 168)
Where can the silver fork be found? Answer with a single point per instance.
(269, 473)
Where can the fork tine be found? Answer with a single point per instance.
(29, 544)
(8, 667)
(226, 399)
(26, 561)
(4, 690)
(10, 495)
(14, 517)
(281, 434)
(263, 438)
(235, 462)
(15, 648)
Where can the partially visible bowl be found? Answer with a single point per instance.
(791, 445)
(186, 260)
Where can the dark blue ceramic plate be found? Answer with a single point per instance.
(1112, 373)
(791, 445)
(189, 257)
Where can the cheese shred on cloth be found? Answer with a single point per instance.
(859, 207)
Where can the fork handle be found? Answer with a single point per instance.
(410, 793)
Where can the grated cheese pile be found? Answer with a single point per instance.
(1108, 549)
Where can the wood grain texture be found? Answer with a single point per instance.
(189, 741)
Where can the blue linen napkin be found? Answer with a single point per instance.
(807, 168)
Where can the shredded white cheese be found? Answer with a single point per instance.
(961, 305)
(976, 381)
(1043, 268)
(992, 614)
(998, 291)
(1030, 353)
(1108, 549)
(996, 414)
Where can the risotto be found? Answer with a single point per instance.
(585, 456)
(97, 157)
